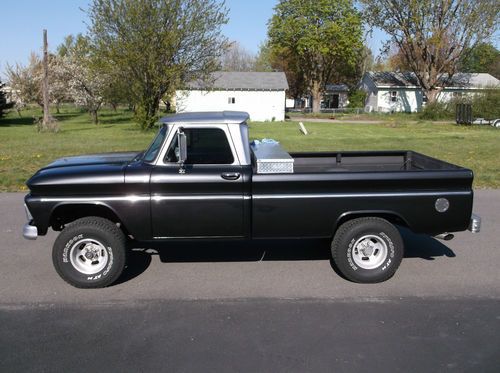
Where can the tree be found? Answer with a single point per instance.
(483, 58)
(274, 58)
(87, 80)
(366, 60)
(396, 60)
(116, 89)
(237, 58)
(264, 58)
(381, 64)
(158, 44)
(4, 105)
(27, 81)
(323, 37)
(59, 81)
(434, 35)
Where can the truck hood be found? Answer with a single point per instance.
(82, 174)
(94, 159)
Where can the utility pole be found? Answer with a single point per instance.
(48, 123)
(45, 83)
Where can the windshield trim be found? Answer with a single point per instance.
(163, 132)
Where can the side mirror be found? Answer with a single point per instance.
(182, 143)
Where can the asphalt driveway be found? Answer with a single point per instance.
(266, 306)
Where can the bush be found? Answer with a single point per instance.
(438, 111)
(487, 104)
(357, 99)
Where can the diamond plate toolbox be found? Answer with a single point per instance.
(270, 158)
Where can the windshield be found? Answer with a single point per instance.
(154, 148)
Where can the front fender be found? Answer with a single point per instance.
(131, 211)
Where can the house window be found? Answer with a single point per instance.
(394, 96)
(231, 100)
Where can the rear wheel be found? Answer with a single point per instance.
(90, 253)
(367, 250)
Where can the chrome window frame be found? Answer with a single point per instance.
(173, 132)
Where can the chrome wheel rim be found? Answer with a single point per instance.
(88, 256)
(369, 251)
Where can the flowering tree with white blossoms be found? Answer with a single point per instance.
(87, 83)
(26, 81)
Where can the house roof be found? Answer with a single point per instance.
(212, 117)
(337, 88)
(239, 80)
(409, 80)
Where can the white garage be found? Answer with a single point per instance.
(261, 94)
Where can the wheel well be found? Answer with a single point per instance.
(391, 217)
(66, 214)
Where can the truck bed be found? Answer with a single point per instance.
(325, 187)
(356, 161)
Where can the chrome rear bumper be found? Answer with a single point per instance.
(30, 232)
(475, 223)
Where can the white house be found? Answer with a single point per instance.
(395, 91)
(261, 94)
(336, 96)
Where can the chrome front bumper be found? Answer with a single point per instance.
(475, 223)
(30, 232)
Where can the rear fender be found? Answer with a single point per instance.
(391, 216)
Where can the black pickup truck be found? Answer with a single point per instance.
(202, 179)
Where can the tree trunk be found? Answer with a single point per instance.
(93, 114)
(432, 95)
(58, 104)
(151, 107)
(316, 97)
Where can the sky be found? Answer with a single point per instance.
(23, 22)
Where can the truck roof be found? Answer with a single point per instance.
(208, 117)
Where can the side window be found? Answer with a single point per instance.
(204, 146)
(394, 96)
(231, 100)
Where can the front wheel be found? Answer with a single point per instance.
(90, 253)
(367, 250)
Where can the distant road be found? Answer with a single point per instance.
(358, 121)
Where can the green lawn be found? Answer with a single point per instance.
(23, 150)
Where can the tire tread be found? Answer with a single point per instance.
(105, 226)
(344, 229)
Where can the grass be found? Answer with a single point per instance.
(23, 150)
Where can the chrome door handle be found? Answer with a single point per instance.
(230, 175)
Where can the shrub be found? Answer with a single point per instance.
(487, 104)
(357, 98)
(438, 110)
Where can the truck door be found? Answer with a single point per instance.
(205, 197)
